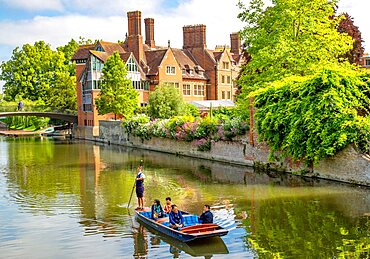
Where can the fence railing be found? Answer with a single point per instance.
(33, 108)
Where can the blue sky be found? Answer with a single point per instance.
(57, 21)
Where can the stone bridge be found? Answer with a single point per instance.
(71, 118)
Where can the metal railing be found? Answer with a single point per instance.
(33, 108)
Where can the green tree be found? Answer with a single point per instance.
(64, 95)
(165, 102)
(290, 37)
(69, 50)
(117, 94)
(33, 72)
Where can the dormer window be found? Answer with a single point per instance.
(99, 48)
(191, 72)
(183, 72)
(201, 73)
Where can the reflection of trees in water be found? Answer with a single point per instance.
(305, 229)
(140, 242)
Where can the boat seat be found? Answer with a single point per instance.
(189, 220)
(147, 214)
(200, 229)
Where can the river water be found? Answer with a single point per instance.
(61, 199)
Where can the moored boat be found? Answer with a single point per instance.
(193, 229)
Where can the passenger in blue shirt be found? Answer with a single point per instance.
(207, 216)
(176, 218)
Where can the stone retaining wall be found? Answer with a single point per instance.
(347, 166)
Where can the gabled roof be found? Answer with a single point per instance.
(111, 47)
(186, 63)
(83, 52)
(217, 55)
(154, 59)
(125, 56)
(103, 56)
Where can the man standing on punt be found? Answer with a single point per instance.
(140, 186)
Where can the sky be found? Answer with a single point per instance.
(58, 21)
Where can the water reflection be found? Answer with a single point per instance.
(82, 190)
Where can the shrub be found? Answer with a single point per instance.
(310, 118)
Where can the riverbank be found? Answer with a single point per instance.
(19, 133)
(347, 166)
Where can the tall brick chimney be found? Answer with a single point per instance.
(135, 39)
(194, 36)
(235, 43)
(149, 32)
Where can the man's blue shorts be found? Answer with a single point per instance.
(140, 192)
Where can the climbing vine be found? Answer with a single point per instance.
(312, 117)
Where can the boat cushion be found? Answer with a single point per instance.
(191, 220)
(147, 214)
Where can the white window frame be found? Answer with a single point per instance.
(170, 70)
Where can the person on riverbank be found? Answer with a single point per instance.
(167, 208)
(176, 218)
(157, 210)
(207, 216)
(20, 106)
(140, 187)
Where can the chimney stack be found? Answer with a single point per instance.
(134, 23)
(149, 32)
(194, 36)
(135, 39)
(235, 43)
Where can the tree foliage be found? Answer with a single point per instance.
(36, 72)
(117, 93)
(347, 26)
(165, 102)
(311, 117)
(69, 50)
(289, 37)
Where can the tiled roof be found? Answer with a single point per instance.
(187, 63)
(154, 59)
(83, 52)
(125, 56)
(103, 56)
(111, 47)
(217, 55)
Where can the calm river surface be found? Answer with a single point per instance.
(61, 199)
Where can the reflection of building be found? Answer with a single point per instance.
(197, 72)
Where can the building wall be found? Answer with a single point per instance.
(225, 89)
(169, 60)
(193, 97)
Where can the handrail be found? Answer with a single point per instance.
(41, 108)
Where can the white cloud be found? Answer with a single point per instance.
(168, 24)
(218, 15)
(34, 5)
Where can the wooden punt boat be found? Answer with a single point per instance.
(193, 230)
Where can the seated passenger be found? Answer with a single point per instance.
(167, 208)
(207, 216)
(176, 218)
(157, 211)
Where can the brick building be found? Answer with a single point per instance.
(197, 72)
(365, 61)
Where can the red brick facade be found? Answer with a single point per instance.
(197, 72)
